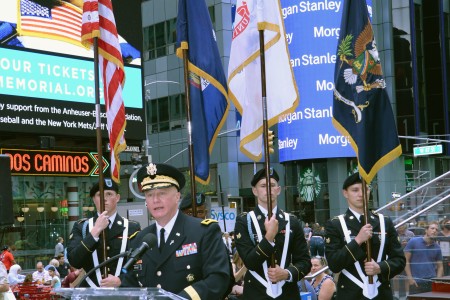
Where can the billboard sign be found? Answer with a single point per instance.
(47, 76)
(56, 163)
(312, 33)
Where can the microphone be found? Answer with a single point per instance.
(148, 241)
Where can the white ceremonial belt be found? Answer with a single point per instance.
(272, 290)
(369, 290)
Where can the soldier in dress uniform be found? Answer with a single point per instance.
(190, 259)
(345, 248)
(258, 238)
(85, 249)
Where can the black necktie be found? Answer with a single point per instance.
(162, 240)
(361, 219)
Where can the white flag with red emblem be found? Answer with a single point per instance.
(98, 21)
(244, 71)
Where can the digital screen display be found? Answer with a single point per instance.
(312, 32)
(47, 76)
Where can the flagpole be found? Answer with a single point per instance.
(366, 221)
(265, 131)
(189, 130)
(98, 124)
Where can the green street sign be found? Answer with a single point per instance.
(427, 150)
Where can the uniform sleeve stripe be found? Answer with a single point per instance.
(350, 253)
(298, 273)
(192, 293)
(389, 268)
(262, 251)
(86, 247)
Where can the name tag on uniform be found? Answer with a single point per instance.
(187, 249)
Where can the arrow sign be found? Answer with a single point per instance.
(96, 172)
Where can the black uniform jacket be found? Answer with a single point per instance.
(193, 263)
(341, 255)
(254, 255)
(79, 249)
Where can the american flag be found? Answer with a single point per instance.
(98, 21)
(60, 22)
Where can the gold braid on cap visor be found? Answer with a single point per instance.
(158, 181)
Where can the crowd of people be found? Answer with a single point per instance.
(56, 274)
(267, 256)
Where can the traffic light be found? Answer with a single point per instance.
(270, 137)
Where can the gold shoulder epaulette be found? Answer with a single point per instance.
(244, 214)
(335, 217)
(208, 221)
(82, 220)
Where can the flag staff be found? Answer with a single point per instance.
(98, 124)
(189, 130)
(366, 221)
(265, 131)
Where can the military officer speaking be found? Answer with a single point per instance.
(190, 259)
(85, 246)
(258, 237)
(345, 248)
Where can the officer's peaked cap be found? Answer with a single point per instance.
(157, 176)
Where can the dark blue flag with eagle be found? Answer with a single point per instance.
(361, 107)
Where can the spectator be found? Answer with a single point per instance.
(239, 270)
(304, 286)
(308, 232)
(41, 275)
(445, 224)
(59, 248)
(55, 281)
(228, 242)
(404, 235)
(323, 284)
(14, 276)
(55, 263)
(233, 242)
(63, 268)
(316, 242)
(7, 257)
(423, 260)
(5, 291)
(444, 242)
(401, 283)
(28, 279)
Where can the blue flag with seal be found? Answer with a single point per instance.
(208, 89)
(361, 107)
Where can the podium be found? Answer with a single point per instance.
(114, 294)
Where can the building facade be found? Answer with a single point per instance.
(412, 38)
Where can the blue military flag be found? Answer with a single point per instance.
(361, 107)
(208, 90)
